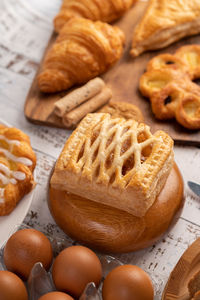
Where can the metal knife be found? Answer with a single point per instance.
(195, 187)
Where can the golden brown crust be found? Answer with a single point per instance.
(167, 61)
(188, 112)
(170, 88)
(165, 22)
(103, 10)
(17, 162)
(83, 50)
(119, 109)
(115, 162)
(190, 54)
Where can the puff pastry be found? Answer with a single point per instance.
(83, 50)
(120, 109)
(116, 162)
(165, 22)
(17, 162)
(169, 84)
(103, 10)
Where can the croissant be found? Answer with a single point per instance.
(164, 22)
(83, 50)
(103, 10)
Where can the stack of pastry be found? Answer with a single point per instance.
(120, 168)
(17, 163)
(169, 84)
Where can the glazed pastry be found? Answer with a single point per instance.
(119, 109)
(83, 50)
(17, 162)
(103, 10)
(115, 162)
(168, 83)
(190, 55)
(165, 22)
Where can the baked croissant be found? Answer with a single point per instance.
(83, 50)
(164, 22)
(103, 10)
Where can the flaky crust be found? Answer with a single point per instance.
(169, 84)
(165, 22)
(83, 50)
(102, 10)
(115, 162)
(119, 109)
(17, 163)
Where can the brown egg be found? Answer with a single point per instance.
(74, 268)
(127, 282)
(25, 248)
(12, 287)
(56, 296)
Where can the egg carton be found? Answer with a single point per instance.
(40, 281)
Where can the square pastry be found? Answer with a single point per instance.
(115, 162)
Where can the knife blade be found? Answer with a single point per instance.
(195, 187)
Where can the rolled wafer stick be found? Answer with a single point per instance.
(78, 96)
(73, 117)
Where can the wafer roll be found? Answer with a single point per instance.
(78, 96)
(73, 117)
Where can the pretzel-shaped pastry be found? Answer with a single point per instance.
(168, 84)
(191, 56)
(167, 61)
(115, 162)
(17, 162)
(188, 112)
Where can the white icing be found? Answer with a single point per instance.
(10, 142)
(23, 160)
(16, 174)
(19, 175)
(6, 175)
(1, 195)
(5, 180)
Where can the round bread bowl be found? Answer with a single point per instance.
(112, 230)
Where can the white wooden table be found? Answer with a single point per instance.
(25, 27)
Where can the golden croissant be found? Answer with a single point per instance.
(164, 22)
(103, 10)
(83, 50)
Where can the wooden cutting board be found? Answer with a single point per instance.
(123, 79)
(187, 266)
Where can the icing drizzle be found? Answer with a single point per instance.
(10, 142)
(6, 175)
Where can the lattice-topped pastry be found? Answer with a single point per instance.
(115, 162)
(17, 162)
(170, 84)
